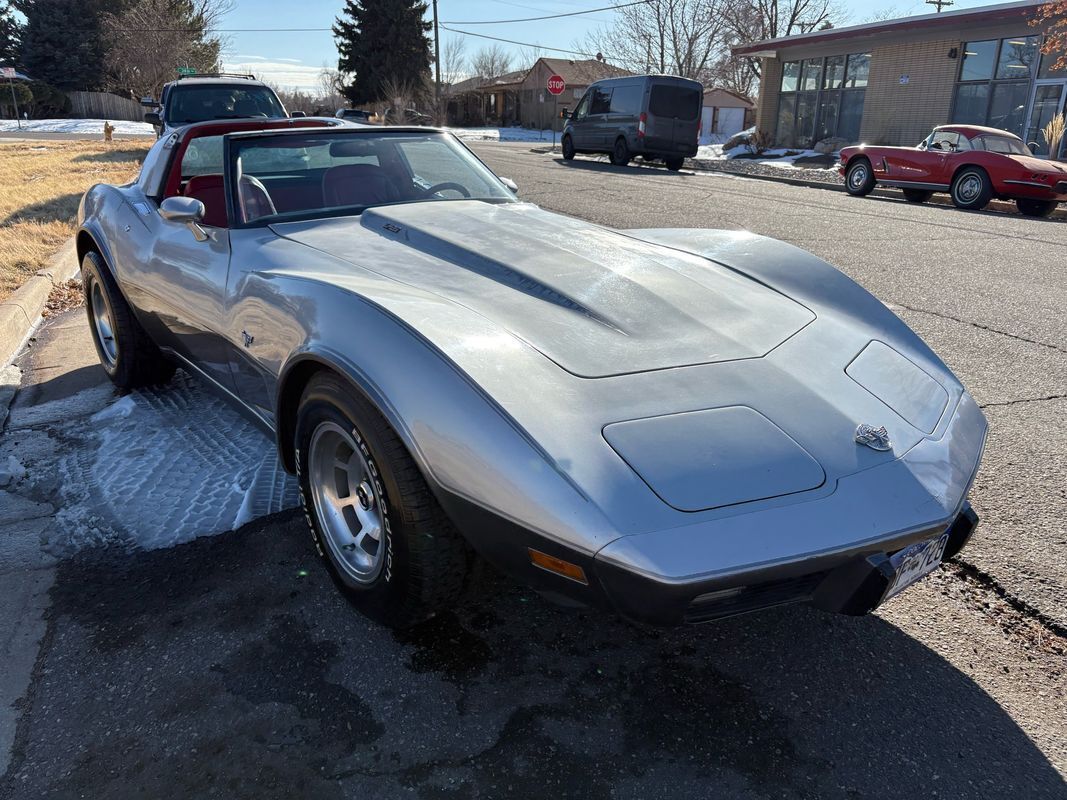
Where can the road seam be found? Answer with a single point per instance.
(981, 326)
(1023, 400)
(965, 570)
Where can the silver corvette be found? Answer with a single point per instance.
(680, 425)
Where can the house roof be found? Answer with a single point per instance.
(739, 96)
(583, 71)
(923, 22)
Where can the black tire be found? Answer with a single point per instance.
(674, 164)
(859, 178)
(1035, 208)
(917, 195)
(129, 356)
(971, 189)
(426, 560)
(620, 153)
(567, 146)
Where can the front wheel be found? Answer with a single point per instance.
(128, 355)
(859, 178)
(568, 148)
(1035, 208)
(917, 195)
(674, 164)
(971, 189)
(620, 154)
(384, 538)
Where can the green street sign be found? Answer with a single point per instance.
(186, 71)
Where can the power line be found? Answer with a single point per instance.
(521, 44)
(549, 16)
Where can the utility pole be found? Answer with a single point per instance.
(436, 66)
(940, 4)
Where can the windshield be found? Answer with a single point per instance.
(333, 174)
(193, 103)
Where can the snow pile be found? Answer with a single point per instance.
(503, 135)
(161, 467)
(80, 126)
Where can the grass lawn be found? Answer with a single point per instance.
(41, 183)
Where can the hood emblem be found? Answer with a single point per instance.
(874, 438)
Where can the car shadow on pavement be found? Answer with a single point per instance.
(606, 166)
(232, 665)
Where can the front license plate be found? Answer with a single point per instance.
(915, 561)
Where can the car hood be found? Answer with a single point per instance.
(595, 301)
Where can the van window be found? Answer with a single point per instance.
(601, 101)
(626, 100)
(681, 102)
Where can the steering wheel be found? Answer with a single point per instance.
(440, 187)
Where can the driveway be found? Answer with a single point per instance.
(177, 665)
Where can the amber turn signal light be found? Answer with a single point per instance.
(557, 565)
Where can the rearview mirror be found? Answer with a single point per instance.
(510, 184)
(153, 118)
(185, 211)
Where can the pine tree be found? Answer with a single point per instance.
(62, 42)
(9, 36)
(382, 43)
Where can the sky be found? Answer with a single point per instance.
(293, 59)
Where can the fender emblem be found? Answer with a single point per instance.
(874, 438)
(248, 338)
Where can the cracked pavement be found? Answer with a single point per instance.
(229, 666)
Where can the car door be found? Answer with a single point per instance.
(925, 163)
(579, 128)
(600, 127)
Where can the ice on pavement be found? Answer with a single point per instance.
(159, 467)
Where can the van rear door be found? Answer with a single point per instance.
(673, 117)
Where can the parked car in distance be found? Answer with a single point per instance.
(973, 164)
(677, 424)
(218, 95)
(355, 115)
(652, 116)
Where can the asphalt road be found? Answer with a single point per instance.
(229, 666)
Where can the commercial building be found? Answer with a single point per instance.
(891, 82)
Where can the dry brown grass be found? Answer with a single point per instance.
(41, 183)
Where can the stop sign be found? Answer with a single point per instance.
(556, 85)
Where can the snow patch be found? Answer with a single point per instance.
(122, 407)
(83, 126)
(502, 135)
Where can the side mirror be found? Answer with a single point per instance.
(148, 102)
(153, 118)
(185, 211)
(508, 182)
(297, 114)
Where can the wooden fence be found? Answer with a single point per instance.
(102, 105)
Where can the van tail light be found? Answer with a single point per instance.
(641, 125)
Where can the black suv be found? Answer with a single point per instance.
(200, 97)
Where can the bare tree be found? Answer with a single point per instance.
(679, 37)
(491, 62)
(330, 97)
(758, 20)
(733, 73)
(148, 39)
(453, 60)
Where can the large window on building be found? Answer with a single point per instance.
(994, 82)
(822, 98)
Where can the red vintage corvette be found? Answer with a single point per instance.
(972, 163)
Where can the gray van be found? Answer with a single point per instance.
(652, 116)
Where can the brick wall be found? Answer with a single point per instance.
(769, 85)
(903, 113)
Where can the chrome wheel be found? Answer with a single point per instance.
(968, 188)
(103, 325)
(857, 177)
(348, 505)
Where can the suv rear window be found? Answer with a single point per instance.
(187, 104)
(681, 102)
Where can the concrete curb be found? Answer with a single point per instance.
(21, 312)
(1004, 206)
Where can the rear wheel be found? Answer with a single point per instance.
(859, 178)
(1035, 208)
(620, 154)
(971, 189)
(128, 355)
(917, 195)
(384, 538)
(568, 148)
(674, 164)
